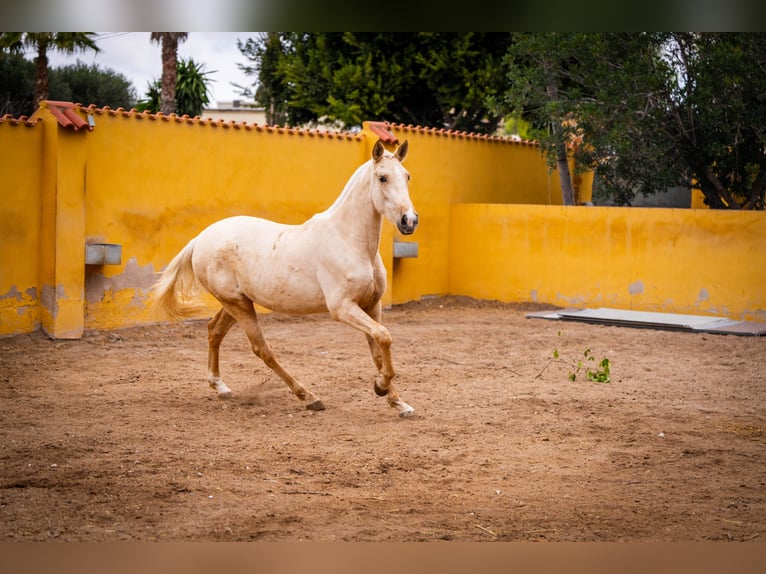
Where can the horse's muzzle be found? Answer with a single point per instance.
(407, 224)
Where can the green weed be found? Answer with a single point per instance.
(596, 372)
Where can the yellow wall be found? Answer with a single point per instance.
(20, 207)
(671, 260)
(150, 183)
(449, 168)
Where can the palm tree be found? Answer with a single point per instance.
(169, 42)
(41, 42)
(192, 90)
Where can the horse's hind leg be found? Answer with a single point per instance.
(217, 328)
(244, 312)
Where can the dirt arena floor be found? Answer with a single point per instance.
(117, 436)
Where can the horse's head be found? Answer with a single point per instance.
(390, 187)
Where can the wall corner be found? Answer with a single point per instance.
(62, 244)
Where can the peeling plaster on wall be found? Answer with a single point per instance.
(759, 314)
(30, 294)
(133, 276)
(25, 300)
(19, 311)
(576, 300)
(703, 296)
(49, 298)
(636, 288)
(533, 295)
(13, 293)
(95, 287)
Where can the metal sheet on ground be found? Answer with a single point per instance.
(654, 320)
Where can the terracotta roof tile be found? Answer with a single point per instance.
(21, 120)
(460, 134)
(65, 113)
(66, 116)
(381, 130)
(219, 122)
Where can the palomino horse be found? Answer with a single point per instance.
(329, 263)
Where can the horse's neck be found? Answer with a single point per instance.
(353, 211)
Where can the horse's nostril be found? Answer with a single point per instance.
(404, 220)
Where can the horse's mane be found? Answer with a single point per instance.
(350, 185)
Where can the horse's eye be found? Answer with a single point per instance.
(382, 179)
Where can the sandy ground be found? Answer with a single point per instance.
(117, 436)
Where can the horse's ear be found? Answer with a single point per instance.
(401, 151)
(377, 150)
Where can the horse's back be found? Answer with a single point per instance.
(238, 226)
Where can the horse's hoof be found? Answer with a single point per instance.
(317, 405)
(220, 388)
(407, 413)
(378, 391)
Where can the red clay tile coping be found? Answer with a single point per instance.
(381, 130)
(66, 116)
(197, 120)
(462, 134)
(21, 120)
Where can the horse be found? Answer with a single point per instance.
(330, 263)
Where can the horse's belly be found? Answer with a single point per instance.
(284, 293)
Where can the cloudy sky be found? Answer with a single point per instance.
(133, 55)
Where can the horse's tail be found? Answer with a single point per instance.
(176, 288)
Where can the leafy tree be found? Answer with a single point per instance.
(649, 111)
(515, 125)
(17, 80)
(429, 79)
(716, 117)
(42, 42)
(192, 90)
(169, 42)
(543, 84)
(265, 52)
(76, 83)
(91, 85)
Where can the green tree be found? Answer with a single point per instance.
(265, 52)
(169, 42)
(649, 111)
(76, 83)
(151, 100)
(429, 79)
(192, 90)
(716, 118)
(91, 85)
(17, 81)
(42, 42)
(542, 78)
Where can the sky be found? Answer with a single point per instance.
(133, 55)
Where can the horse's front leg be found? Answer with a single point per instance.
(377, 355)
(379, 339)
